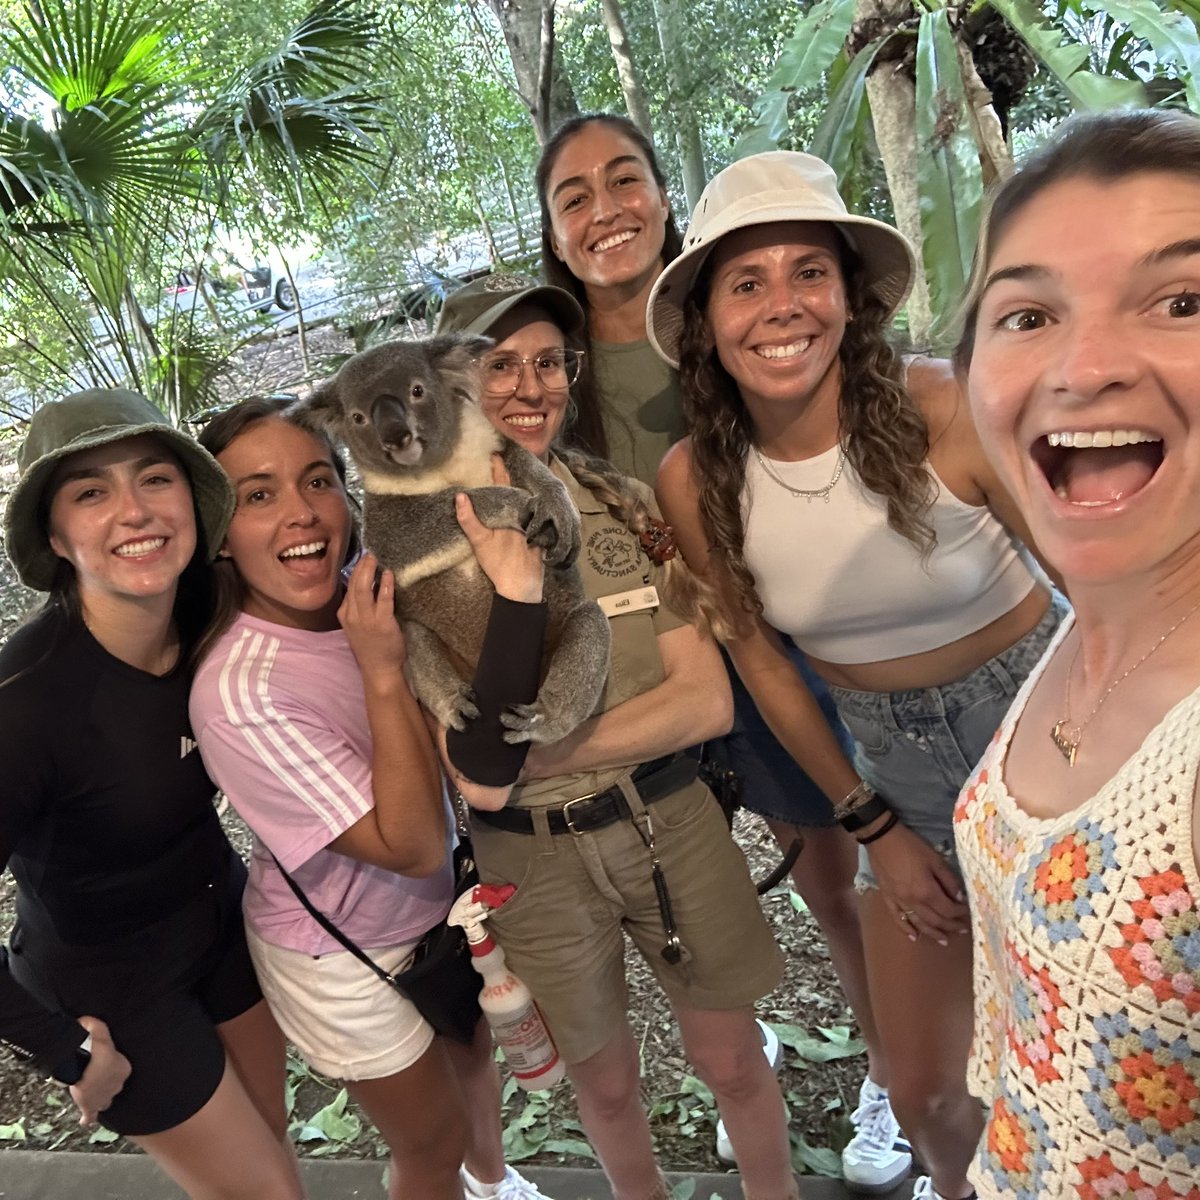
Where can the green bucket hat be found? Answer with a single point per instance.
(476, 307)
(83, 421)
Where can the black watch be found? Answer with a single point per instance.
(864, 814)
(70, 1069)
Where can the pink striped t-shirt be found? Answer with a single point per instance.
(281, 720)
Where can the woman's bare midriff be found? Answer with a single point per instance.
(932, 668)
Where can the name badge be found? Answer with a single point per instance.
(637, 600)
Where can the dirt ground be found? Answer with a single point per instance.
(822, 1066)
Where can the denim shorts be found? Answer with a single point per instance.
(917, 748)
(773, 785)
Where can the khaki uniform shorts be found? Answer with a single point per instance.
(562, 931)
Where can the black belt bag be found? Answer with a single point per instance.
(585, 814)
(440, 979)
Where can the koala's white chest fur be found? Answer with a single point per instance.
(469, 466)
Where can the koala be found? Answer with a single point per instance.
(409, 414)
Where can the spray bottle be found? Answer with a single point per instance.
(516, 1023)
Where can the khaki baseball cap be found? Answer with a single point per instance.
(83, 421)
(476, 307)
(780, 185)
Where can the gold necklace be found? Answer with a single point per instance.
(808, 494)
(1066, 736)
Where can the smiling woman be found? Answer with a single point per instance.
(1080, 833)
(304, 717)
(128, 976)
(838, 495)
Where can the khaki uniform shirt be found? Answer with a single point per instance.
(611, 561)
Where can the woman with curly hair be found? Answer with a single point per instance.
(839, 496)
(607, 234)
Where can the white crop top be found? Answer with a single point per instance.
(848, 589)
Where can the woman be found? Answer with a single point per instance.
(607, 230)
(127, 975)
(1080, 833)
(607, 233)
(843, 499)
(605, 832)
(305, 719)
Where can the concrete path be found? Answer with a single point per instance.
(42, 1175)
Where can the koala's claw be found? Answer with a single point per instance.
(521, 721)
(459, 710)
(559, 537)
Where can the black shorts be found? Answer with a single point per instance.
(162, 992)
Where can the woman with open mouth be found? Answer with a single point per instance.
(305, 719)
(1079, 834)
(839, 495)
(607, 234)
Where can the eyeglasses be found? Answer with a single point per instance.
(556, 370)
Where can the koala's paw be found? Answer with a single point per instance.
(523, 723)
(554, 527)
(454, 710)
(532, 723)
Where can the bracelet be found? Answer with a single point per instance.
(864, 814)
(886, 827)
(859, 795)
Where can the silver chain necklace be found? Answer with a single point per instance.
(808, 494)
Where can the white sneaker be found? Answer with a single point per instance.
(878, 1156)
(514, 1186)
(923, 1189)
(774, 1052)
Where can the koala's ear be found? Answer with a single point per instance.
(321, 410)
(454, 351)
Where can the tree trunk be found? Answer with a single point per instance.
(893, 98)
(528, 27)
(994, 153)
(687, 132)
(627, 72)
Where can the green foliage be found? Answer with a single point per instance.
(529, 1132)
(950, 178)
(834, 1042)
(841, 136)
(1067, 62)
(330, 1124)
(807, 54)
(121, 156)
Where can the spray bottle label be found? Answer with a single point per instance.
(528, 1047)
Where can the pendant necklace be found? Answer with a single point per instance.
(808, 494)
(1067, 736)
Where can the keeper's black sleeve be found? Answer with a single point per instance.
(507, 674)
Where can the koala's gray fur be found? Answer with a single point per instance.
(409, 414)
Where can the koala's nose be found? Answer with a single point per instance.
(390, 418)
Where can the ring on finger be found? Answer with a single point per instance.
(906, 914)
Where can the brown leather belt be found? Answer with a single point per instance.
(585, 814)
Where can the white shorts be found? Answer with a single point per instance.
(344, 1020)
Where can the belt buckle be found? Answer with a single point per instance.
(566, 813)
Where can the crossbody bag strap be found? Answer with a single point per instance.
(333, 931)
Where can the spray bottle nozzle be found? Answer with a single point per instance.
(471, 909)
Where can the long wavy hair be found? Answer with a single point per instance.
(587, 425)
(693, 599)
(884, 433)
(229, 589)
(1105, 146)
